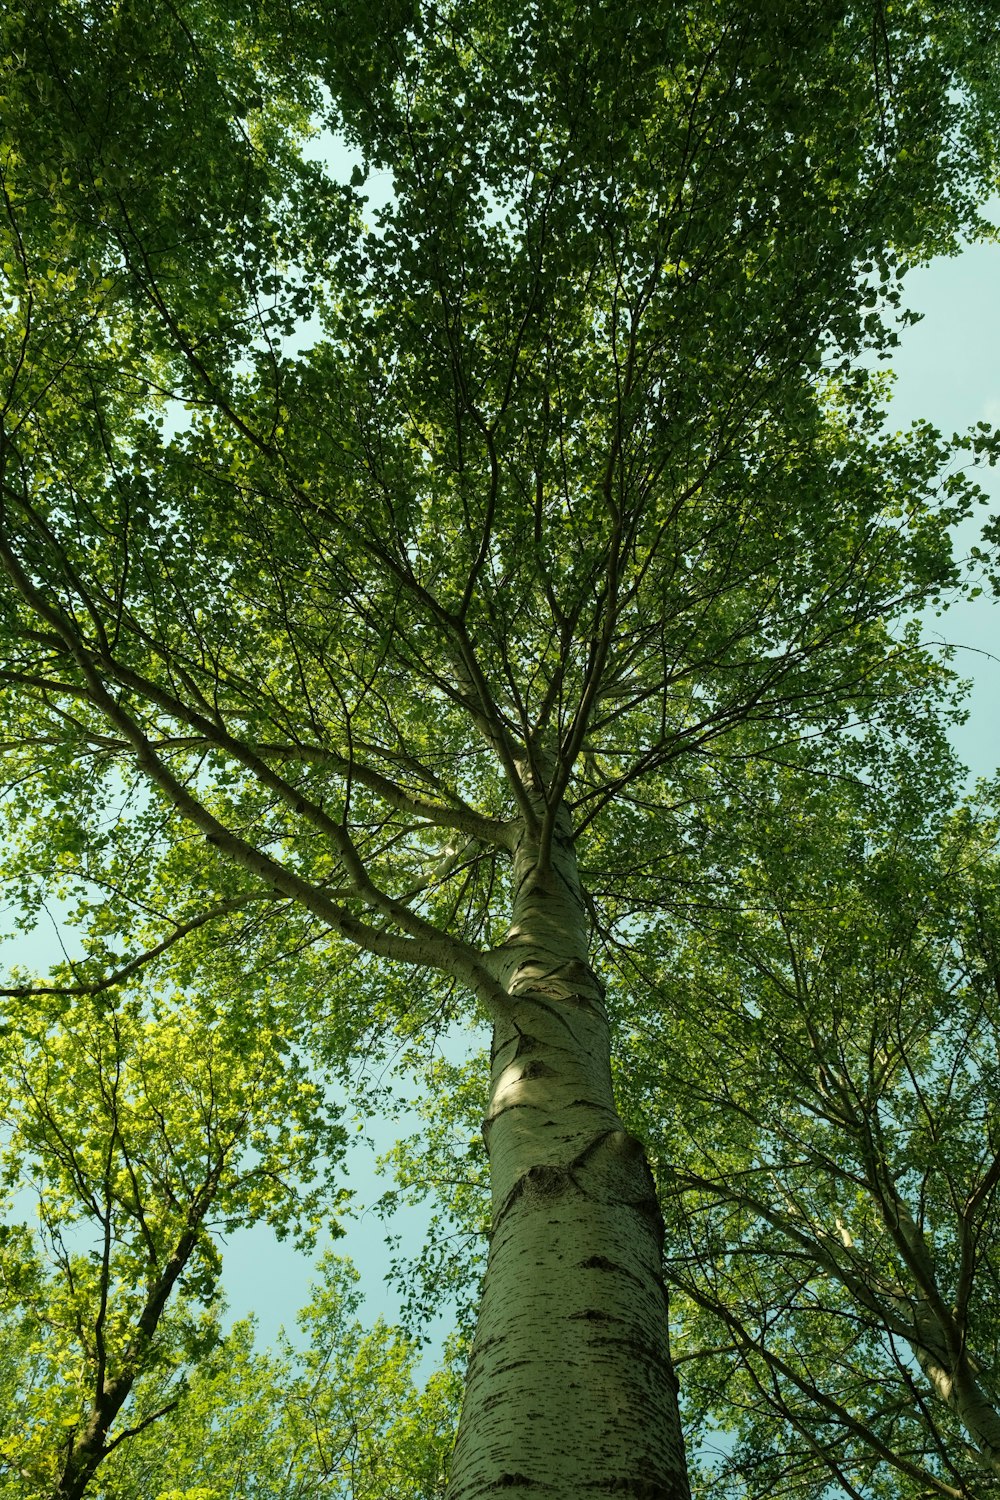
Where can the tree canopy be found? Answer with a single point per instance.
(445, 612)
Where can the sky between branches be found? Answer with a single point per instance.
(948, 372)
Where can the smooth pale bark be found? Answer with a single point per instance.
(570, 1388)
(939, 1340)
(947, 1363)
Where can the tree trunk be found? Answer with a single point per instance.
(952, 1372)
(570, 1388)
(939, 1341)
(88, 1449)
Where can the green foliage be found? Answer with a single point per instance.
(339, 1411)
(341, 546)
(143, 1127)
(815, 1073)
(444, 1161)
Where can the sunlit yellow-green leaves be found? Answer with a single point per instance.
(138, 1129)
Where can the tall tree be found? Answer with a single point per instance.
(437, 632)
(812, 1062)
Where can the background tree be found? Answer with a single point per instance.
(440, 639)
(139, 1129)
(825, 1135)
(343, 1415)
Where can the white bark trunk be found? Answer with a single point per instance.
(570, 1388)
(954, 1378)
(939, 1344)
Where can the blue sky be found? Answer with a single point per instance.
(948, 371)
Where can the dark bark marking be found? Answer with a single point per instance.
(538, 1182)
(544, 1181)
(593, 1147)
(491, 1120)
(649, 1209)
(553, 1005)
(499, 1397)
(537, 1069)
(578, 972)
(639, 1489)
